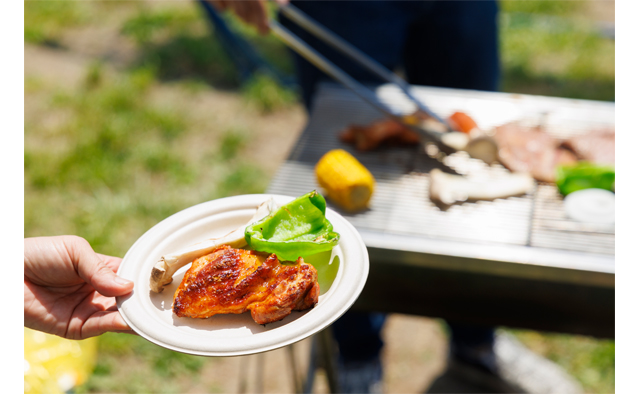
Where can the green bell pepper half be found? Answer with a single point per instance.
(585, 175)
(297, 229)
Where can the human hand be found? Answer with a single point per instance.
(253, 12)
(69, 289)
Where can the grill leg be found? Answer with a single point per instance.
(327, 355)
(297, 384)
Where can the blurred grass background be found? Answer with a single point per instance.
(110, 153)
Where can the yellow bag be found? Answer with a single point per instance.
(55, 365)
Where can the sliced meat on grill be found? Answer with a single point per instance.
(531, 150)
(383, 132)
(598, 146)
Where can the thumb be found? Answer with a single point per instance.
(95, 271)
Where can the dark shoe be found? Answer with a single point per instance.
(507, 368)
(360, 377)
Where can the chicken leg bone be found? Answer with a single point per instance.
(162, 272)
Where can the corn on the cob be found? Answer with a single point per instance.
(345, 180)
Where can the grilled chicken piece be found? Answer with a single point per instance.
(235, 280)
(381, 132)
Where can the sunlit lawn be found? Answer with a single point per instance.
(116, 160)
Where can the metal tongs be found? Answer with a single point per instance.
(306, 51)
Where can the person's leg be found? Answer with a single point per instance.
(377, 29)
(359, 339)
(473, 345)
(359, 335)
(455, 45)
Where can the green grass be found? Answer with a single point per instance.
(551, 56)
(589, 360)
(232, 142)
(182, 46)
(45, 21)
(544, 7)
(267, 95)
(93, 173)
(146, 25)
(142, 367)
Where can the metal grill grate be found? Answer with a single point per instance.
(401, 204)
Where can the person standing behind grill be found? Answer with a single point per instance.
(450, 44)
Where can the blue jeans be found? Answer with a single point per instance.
(438, 43)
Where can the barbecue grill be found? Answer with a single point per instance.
(508, 261)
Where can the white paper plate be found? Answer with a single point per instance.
(150, 315)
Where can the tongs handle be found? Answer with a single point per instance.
(304, 50)
(329, 37)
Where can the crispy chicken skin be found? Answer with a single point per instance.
(236, 280)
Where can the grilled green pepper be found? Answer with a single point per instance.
(585, 175)
(297, 229)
